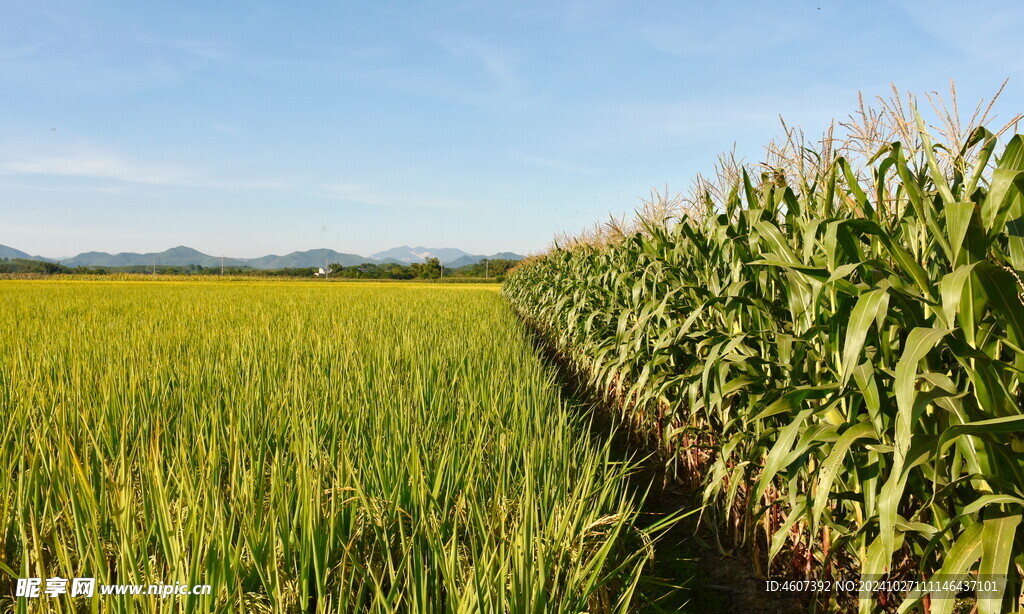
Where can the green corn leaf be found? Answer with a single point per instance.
(748, 189)
(951, 290)
(832, 464)
(842, 271)
(868, 306)
(921, 451)
(958, 218)
(874, 565)
(996, 549)
(1015, 242)
(790, 402)
(864, 376)
(854, 186)
(1005, 424)
(980, 135)
(1005, 189)
(985, 500)
(775, 460)
(964, 553)
(778, 243)
(919, 342)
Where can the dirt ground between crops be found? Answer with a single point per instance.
(714, 582)
(689, 574)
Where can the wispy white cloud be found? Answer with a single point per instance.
(75, 189)
(93, 165)
(243, 185)
(111, 167)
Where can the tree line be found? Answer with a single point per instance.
(431, 269)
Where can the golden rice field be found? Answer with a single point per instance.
(299, 447)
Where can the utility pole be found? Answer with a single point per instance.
(327, 269)
(154, 265)
(222, 265)
(442, 267)
(487, 268)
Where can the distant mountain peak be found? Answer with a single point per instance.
(408, 255)
(10, 252)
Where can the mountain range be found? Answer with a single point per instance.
(184, 256)
(448, 256)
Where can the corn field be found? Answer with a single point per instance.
(831, 352)
(300, 447)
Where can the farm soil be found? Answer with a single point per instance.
(689, 573)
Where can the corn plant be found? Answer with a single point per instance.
(836, 360)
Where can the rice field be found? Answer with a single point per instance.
(299, 447)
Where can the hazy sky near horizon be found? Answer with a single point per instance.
(252, 128)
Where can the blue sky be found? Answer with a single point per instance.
(253, 128)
